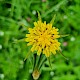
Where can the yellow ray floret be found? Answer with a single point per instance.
(43, 38)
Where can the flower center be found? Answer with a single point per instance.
(44, 38)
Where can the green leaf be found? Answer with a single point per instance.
(49, 62)
(39, 16)
(64, 35)
(53, 19)
(42, 59)
(28, 54)
(63, 55)
(17, 41)
(37, 61)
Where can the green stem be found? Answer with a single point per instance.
(41, 62)
(63, 55)
(37, 61)
(64, 35)
(49, 62)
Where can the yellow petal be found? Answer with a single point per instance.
(33, 48)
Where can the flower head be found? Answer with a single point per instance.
(43, 38)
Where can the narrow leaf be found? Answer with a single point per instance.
(43, 58)
(39, 16)
(53, 19)
(49, 62)
(64, 35)
(16, 41)
(28, 54)
(63, 55)
(37, 61)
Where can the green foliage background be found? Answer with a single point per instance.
(15, 15)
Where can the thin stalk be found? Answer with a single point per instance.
(37, 61)
(43, 58)
(28, 54)
(63, 55)
(49, 62)
(64, 35)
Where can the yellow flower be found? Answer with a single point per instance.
(43, 38)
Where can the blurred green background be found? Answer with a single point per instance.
(15, 15)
